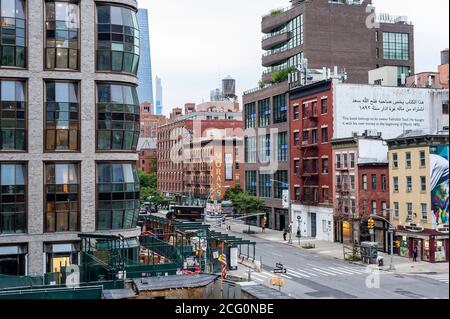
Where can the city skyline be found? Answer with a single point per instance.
(145, 75)
(214, 59)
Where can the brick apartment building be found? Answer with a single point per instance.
(326, 34)
(437, 80)
(176, 134)
(150, 122)
(360, 179)
(147, 155)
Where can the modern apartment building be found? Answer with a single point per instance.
(348, 34)
(419, 194)
(145, 76)
(69, 125)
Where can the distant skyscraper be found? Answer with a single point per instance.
(159, 96)
(145, 89)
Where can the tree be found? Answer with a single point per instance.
(147, 180)
(232, 192)
(247, 205)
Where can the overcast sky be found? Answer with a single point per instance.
(196, 43)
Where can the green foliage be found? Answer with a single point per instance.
(282, 75)
(246, 204)
(232, 192)
(274, 12)
(147, 180)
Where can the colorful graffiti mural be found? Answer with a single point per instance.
(439, 160)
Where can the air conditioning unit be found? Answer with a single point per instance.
(443, 229)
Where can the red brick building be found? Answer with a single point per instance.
(311, 179)
(147, 155)
(373, 196)
(150, 122)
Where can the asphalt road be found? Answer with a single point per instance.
(313, 276)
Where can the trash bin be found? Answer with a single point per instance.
(380, 261)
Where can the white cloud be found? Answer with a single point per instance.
(195, 43)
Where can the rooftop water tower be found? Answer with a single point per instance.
(229, 88)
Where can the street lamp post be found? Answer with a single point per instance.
(391, 232)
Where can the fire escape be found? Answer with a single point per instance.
(310, 157)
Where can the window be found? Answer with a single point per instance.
(117, 39)
(62, 116)
(297, 191)
(118, 112)
(324, 106)
(279, 109)
(296, 138)
(250, 182)
(345, 160)
(364, 182)
(384, 208)
(250, 149)
(314, 136)
(325, 166)
(395, 160)
(296, 167)
(12, 115)
(395, 46)
(62, 197)
(12, 199)
(338, 182)
(305, 137)
(384, 183)
(422, 159)
(325, 195)
(282, 147)
(13, 33)
(396, 184)
(353, 206)
(250, 115)
(338, 161)
(408, 159)
(424, 212)
(445, 108)
(409, 184)
(264, 149)
(264, 113)
(409, 210)
(374, 207)
(352, 160)
(352, 182)
(280, 183)
(118, 196)
(396, 210)
(62, 35)
(265, 185)
(423, 184)
(324, 135)
(296, 111)
(374, 182)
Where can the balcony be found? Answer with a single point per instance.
(308, 144)
(279, 17)
(271, 41)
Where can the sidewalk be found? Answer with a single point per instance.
(335, 250)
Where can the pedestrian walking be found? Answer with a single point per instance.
(415, 253)
(284, 234)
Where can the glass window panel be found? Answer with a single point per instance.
(103, 60)
(62, 222)
(62, 173)
(116, 15)
(117, 173)
(103, 14)
(104, 140)
(61, 58)
(116, 94)
(8, 90)
(73, 140)
(62, 138)
(7, 174)
(62, 92)
(116, 61)
(8, 8)
(117, 219)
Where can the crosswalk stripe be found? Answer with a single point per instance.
(285, 276)
(306, 273)
(324, 272)
(331, 271)
(355, 270)
(268, 274)
(257, 279)
(348, 272)
(298, 273)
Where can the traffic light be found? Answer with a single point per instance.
(371, 223)
(397, 244)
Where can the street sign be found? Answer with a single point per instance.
(279, 269)
(299, 217)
